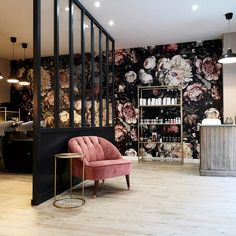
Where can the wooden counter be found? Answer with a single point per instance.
(218, 150)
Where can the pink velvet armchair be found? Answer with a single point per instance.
(102, 160)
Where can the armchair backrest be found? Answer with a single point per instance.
(95, 148)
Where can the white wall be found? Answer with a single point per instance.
(229, 79)
(4, 85)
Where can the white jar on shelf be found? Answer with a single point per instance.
(140, 101)
(168, 101)
(172, 101)
(164, 101)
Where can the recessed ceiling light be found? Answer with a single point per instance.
(111, 22)
(67, 8)
(194, 7)
(97, 4)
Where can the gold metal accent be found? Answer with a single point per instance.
(141, 143)
(69, 156)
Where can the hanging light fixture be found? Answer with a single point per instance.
(1, 76)
(229, 56)
(12, 78)
(24, 81)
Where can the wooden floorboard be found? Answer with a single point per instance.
(164, 199)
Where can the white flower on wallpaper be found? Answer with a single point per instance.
(175, 71)
(176, 150)
(144, 77)
(131, 77)
(64, 116)
(149, 63)
(77, 105)
(77, 118)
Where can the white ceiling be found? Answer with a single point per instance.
(136, 22)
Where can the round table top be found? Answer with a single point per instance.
(69, 155)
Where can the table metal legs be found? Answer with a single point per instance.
(68, 200)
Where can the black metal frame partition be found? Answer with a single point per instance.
(49, 141)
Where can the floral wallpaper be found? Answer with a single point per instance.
(192, 65)
(22, 96)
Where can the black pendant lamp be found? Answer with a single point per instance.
(12, 78)
(229, 56)
(24, 80)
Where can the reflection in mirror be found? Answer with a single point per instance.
(110, 83)
(97, 77)
(58, 101)
(87, 71)
(77, 64)
(47, 64)
(64, 82)
(104, 81)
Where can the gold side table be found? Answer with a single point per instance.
(68, 156)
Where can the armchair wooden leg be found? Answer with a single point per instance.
(96, 182)
(127, 181)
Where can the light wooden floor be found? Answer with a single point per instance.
(164, 200)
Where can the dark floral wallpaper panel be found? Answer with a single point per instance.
(194, 65)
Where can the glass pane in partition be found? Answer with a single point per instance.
(87, 71)
(47, 63)
(97, 76)
(77, 64)
(110, 83)
(64, 76)
(104, 81)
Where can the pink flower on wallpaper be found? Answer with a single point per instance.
(120, 132)
(49, 99)
(195, 92)
(171, 47)
(156, 91)
(191, 119)
(187, 151)
(64, 78)
(49, 119)
(45, 81)
(216, 92)
(171, 129)
(64, 100)
(120, 54)
(209, 68)
(128, 112)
